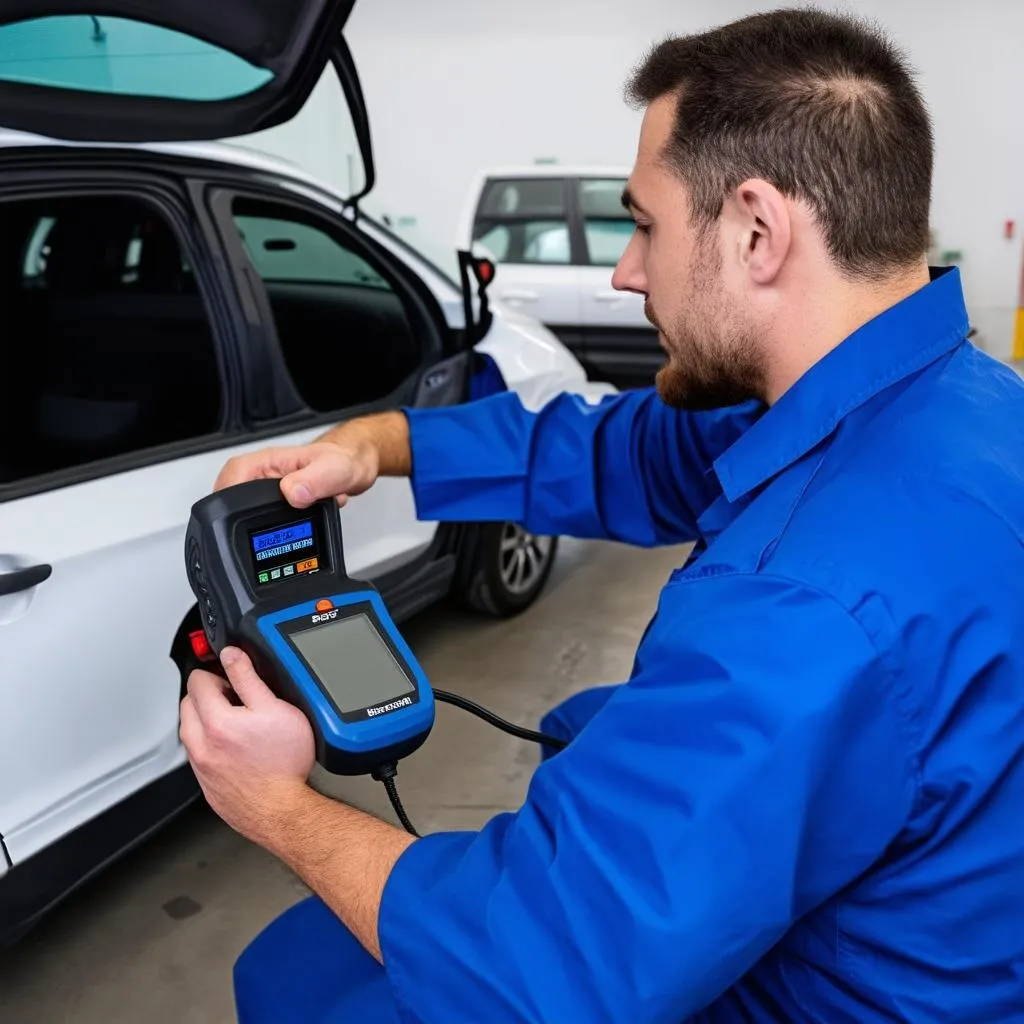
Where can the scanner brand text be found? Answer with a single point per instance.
(394, 705)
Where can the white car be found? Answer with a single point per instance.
(556, 233)
(169, 303)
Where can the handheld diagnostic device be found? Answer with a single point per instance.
(270, 579)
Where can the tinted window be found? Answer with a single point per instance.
(113, 343)
(524, 221)
(607, 227)
(120, 56)
(286, 250)
(343, 329)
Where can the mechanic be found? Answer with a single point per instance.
(806, 802)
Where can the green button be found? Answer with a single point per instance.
(264, 577)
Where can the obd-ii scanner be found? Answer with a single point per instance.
(270, 579)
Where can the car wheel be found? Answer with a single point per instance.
(506, 569)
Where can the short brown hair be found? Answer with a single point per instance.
(823, 106)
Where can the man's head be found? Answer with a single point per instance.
(781, 155)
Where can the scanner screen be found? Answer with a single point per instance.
(352, 663)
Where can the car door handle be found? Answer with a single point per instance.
(23, 579)
(518, 295)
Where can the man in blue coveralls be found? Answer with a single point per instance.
(807, 803)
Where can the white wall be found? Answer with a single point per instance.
(456, 85)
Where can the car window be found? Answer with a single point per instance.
(342, 326)
(607, 227)
(524, 220)
(123, 57)
(285, 250)
(113, 340)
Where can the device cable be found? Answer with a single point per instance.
(386, 773)
(499, 723)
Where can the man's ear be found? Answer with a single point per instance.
(764, 229)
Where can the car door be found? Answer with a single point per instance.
(348, 329)
(620, 346)
(121, 418)
(126, 413)
(523, 224)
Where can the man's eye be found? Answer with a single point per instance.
(644, 229)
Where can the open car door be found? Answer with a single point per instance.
(181, 70)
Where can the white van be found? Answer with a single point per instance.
(556, 234)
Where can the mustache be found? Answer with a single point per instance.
(649, 314)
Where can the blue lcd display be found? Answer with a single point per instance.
(284, 552)
(298, 537)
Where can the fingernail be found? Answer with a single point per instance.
(229, 656)
(302, 493)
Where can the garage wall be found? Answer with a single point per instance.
(460, 84)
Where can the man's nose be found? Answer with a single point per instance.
(629, 273)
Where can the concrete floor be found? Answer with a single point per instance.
(154, 939)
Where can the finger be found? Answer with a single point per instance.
(329, 472)
(252, 691)
(190, 728)
(209, 695)
(268, 464)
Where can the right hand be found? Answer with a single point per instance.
(323, 469)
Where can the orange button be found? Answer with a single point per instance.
(324, 605)
(307, 566)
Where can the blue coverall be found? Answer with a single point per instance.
(807, 803)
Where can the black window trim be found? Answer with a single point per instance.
(278, 406)
(20, 185)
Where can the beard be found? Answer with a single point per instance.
(714, 359)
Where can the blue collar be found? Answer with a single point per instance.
(904, 339)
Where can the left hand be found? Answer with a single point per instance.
(252, 760)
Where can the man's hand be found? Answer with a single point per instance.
(252, 759)
(345, 462)
(307, 472)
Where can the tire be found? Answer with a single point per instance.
(504, 569)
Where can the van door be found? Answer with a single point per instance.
(524, 225)
(620, 345)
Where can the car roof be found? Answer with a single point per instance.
(556, 171)
(236, 154)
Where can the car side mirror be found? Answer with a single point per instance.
(483, 271)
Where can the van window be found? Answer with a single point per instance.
(607, 227)
(524, 220)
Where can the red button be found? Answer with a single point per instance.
(200, 645)
(324, 605)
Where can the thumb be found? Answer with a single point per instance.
(324, 476)
(252, 691)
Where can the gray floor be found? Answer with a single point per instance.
(154, 939)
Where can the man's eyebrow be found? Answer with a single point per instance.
(629, 201)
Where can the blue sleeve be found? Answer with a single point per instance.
(753, 767)
(629, 468)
